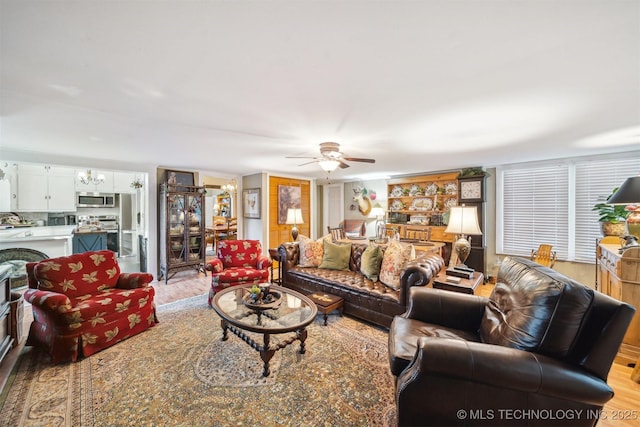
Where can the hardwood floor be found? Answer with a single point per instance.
(622, 410)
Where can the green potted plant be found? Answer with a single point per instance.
(611, 217)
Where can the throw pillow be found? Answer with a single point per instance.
(370, 262)
(310, 252)
(335, 256)
(393, 262)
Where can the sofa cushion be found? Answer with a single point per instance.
(310, 252)
(393, 262)
(370, 262)
(404, 334)
(335, 256)
(79, 274)
(534, 308)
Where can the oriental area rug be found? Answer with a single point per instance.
(180, 373)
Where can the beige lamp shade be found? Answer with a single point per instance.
(376, 212)
(463, 220)
(294, 217)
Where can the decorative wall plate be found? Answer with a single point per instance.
(396, 191)
(397, 205)
(422, 204)
(450, 203)
(450, 188)
(431, 189)
(415, 190)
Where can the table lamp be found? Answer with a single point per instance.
(463, 221)
(629, 194)
(294, 217)
(377, 212)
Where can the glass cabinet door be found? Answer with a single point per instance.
(194, 227)
(176, 208)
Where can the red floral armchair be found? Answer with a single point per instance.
(238, 262)
(83, 304)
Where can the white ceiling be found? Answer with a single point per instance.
(235, 86)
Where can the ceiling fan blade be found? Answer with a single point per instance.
(357, 159)
(342, 164)
(308, 163)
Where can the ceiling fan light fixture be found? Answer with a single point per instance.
(329, 165)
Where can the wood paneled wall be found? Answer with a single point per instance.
(280, 233)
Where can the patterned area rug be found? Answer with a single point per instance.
(180, 373)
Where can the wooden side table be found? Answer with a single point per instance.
(465, 286)
(275, 257)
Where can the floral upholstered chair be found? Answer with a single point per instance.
(238, 262)
(83, 304)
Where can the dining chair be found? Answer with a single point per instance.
(544, 255)
(337, 233)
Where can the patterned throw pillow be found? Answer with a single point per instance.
(370, 262)
(393, 262)
(310, 252)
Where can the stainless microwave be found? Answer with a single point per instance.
(95, 200)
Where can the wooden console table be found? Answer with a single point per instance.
(618, 275)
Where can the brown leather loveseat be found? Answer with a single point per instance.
(537, 352)
(363, 298)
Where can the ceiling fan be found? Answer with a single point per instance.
(331, 157)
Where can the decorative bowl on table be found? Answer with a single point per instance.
(272, 300)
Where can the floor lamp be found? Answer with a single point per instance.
(294, 217)
(463, 221)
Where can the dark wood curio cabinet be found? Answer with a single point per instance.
(182, 229)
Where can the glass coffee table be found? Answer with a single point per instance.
(285, 312)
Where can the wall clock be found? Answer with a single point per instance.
(471, 189)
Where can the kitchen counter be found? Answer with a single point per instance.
(54, 241)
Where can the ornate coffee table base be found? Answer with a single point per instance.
(266, 350)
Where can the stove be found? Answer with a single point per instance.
(108, 223)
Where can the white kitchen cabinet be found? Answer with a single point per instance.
(122, 182)
(8, 186)
(45, 188)
(102, 187)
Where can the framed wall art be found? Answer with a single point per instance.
(288, 197)
(176, 180)
(251, 202)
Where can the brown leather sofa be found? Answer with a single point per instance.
(364, 299)
(537, 352)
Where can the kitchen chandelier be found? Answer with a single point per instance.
(231, 187)
(87, 178)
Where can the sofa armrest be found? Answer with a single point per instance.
(48, 301)
(479, 366)
(215, 265)
(133, 280)
(450, 309)
(289, 254)
(263, 262)
(419, 272)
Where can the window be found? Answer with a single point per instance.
(535, 209)
(552, 203)
(595, 180)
